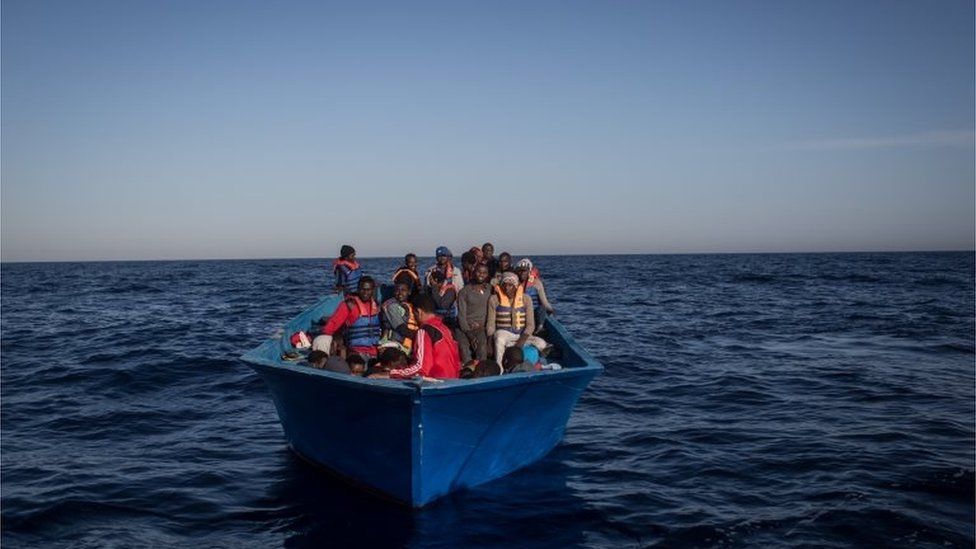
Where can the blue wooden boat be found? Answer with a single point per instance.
(416, 441)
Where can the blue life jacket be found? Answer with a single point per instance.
(365, 331)
(347, 275)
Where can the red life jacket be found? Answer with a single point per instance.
(447, 361)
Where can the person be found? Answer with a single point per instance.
(473, 316)
(532, 286)
(347, 271)
(481, 368)
(408, 273)
(513, 361)
(360, 316)
(445, 264)
(510, 322)
(504, 266)
(322, 361)
(357, 365)
(390, 359)
(445, 299)
(435, 351)
(488, 258)
(469, 261)
(399, 320)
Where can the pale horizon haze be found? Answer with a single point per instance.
(224, 130)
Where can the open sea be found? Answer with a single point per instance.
(761, 400)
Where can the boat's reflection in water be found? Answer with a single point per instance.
(533, 507)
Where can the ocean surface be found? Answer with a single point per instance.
(763, 400)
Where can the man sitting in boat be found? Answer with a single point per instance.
(532, 286)
(359, 315)
(444, 295)
(504, 266)
(510, 318)
(347, 270)
(444, 264)
(408, 273)
(435, 352)
(399, 320)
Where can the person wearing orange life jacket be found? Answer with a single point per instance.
(435, 351)
(444, 264)
(408, 273)
(399, 319)
(347, 271)
(533, 287)
(510, 318)
(359, 316)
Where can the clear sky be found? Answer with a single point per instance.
(239, 129)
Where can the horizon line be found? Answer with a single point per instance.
(834, 252)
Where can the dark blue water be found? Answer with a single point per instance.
(748, 400)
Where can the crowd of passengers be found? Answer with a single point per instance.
(481, 319)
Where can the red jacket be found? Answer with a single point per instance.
(435, 353)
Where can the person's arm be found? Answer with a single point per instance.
(542, 296)
(458, 279)
(463, 310)
(423, 357)
(529, 322)
(337, 320)
(395, 316)
(490, 324)
(340, 279)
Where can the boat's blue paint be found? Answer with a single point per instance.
(416, 441)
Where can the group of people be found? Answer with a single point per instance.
(482, 318)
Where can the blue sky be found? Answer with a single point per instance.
(185, 129)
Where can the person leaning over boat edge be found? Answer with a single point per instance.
(435, 351)
(445, 264)
(359, 314)
(408, 273)
(510, 321)
(347, 271)
(399, 320)
(473, 316)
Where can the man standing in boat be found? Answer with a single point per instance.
(408, 273)
(445, 264)
(347, 270)
(359, 315)
(510, 318)
(473, 316)
(435, 352)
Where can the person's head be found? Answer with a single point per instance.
(366, 288)
(410, 260)
(317, 359)
(443, 255)
(437, 279)
(424, 306)
(487, 368)
(392, 358)
(513, 357)
(401, 291)
(510, 283)
(488, 248)
(347, 252)
(481, 274)
(504, 261)
(468, 259)
(357, 364)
